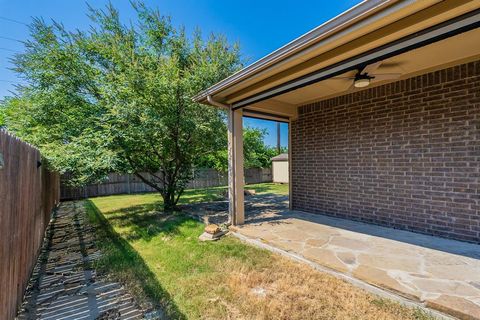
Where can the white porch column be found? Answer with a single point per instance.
(235, 167)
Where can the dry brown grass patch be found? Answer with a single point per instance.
(296, 291)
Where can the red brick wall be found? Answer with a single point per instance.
(404, 155)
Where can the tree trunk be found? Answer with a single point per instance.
(169, 197)
(169, 203)
(167, 189)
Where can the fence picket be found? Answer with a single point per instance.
(128, 183)
(28, 193)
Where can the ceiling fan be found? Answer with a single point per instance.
(367, 75)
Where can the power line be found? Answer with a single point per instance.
(1, 80)
(6, 49)
(13, 20)
(11, 39)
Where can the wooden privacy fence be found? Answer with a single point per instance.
(28, 193)
(129, 183)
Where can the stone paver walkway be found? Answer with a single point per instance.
(443, 274)
(64, 285)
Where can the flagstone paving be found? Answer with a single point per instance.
(64, 285)
(443, 274)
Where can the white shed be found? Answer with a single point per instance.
(280, 168)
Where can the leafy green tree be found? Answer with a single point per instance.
(256, 153)
(2, 118)
(117, 97)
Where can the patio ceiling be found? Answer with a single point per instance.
(461, 48)
(384, 26)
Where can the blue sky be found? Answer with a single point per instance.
(259, 26)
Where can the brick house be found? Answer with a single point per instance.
(383, 106)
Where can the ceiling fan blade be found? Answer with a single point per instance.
(343, 78)
(371, 68)
(386, 76)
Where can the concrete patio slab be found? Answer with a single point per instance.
(441, 274)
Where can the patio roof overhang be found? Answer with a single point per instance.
(409, 37)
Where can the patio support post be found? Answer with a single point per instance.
(235, 167)
(290, 162)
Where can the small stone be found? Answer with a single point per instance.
(212, 228)
(249, 192)
(208, 237)
(259, 291)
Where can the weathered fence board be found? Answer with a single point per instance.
(127, 183)
(28, 193)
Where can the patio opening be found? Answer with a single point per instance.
(248, 196)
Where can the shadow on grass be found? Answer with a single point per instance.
(269, 188)
(266, 189)
(144, 222)
(203, 195)
(147, 207)
(126, 265)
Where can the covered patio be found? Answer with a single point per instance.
(383, 106)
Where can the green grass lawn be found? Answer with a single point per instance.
(146, 201)
(160, 259)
